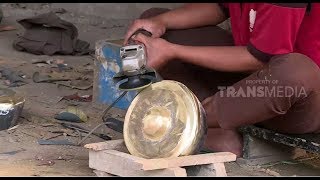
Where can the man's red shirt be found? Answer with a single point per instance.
(269, 29)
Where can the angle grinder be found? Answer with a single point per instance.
(135, 74)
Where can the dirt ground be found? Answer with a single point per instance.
(20, 152)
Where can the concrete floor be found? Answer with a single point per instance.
(42, 103)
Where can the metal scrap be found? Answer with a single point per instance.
(76, 97)
(52, 136)
(54, 142)
(38, 78)
(12, 129)
(44, 162)
(82, 129)
(13, 79)
(7, 28)
(13, 152)
(115, 124)
(68, 84)
(59, 10)
(72, 114)
(37, 61)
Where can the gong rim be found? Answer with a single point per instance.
(192, 132)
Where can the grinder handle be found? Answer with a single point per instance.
(143, 31)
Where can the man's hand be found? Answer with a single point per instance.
(153, 25)
(159, 51)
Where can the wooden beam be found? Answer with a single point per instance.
(123, 164)
(210, 158)
(102, 174)
(108, 145)
(220, 169)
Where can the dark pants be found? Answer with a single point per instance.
(283, 96)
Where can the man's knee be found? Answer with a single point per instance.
(294, 69)
(153, 12)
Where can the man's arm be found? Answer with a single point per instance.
(193, 15)
(221, 58)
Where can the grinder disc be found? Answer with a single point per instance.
(135, 83)
(164, 120)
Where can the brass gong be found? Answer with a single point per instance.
(164, 120)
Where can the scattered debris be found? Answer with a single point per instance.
(260, 169)
(13, 79)
(76, 97)
(38, 78)
(41, 65)
(66, 132)
(298, 153)
(277, 163)
(32, 134)
(115, 124)
(52, 136)
(43, 161)
(54, 142)
(7, 28)
(82, 129)
(68, 84)
(12, 129)
(46, 163)
(38, 119)
(64, 157)
(12, 152)
(47, 125)
(72, 114)
(60, 64)
(37, 61)
(59, 10)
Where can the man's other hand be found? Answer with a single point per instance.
(153, 25)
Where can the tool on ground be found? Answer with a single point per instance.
(115, 124)
(55, 142)
(81, 129)
(134, 74)
(104, 123)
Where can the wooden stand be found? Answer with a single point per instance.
(111, 158)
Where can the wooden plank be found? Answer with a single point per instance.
(220, 169)
(108, 145)
(102, 174)
(112, 157)
(162, 163)
(122, 164)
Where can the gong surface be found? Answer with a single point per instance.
(163, 120)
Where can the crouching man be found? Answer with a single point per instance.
(264, 73)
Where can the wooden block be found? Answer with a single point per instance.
(102, 174)
(114, 159)
(220, 169)
(108, 145)
(123, 164)
(220, 157)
